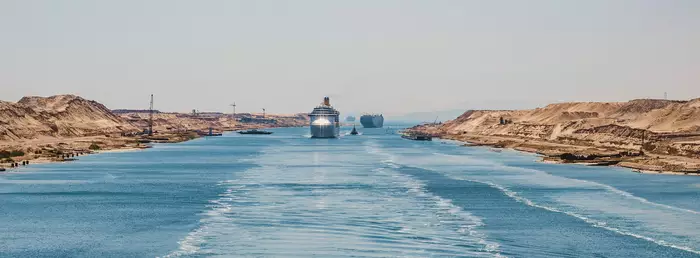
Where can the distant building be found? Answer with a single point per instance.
(257, 120)
(126, 111)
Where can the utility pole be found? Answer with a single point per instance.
(641, 148)
(150, 118)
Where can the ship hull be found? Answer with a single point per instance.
(372, 121)
(324, 121)
(319, 128)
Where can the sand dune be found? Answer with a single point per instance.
(54, 128)
(57, 116)
(667, 127)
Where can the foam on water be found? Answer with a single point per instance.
(661, 224)
(283, 208)
(586, 183)
(377, 195)
(593, 222)
(417, 187)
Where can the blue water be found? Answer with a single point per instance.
(374, 195)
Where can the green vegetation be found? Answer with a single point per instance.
(94, 146)
(649, 147)
(7, 154)
(673, 151)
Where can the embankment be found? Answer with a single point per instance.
(56, 128)
(647, 134)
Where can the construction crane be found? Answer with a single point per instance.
(234, 108)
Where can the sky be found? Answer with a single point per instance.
(388, 56)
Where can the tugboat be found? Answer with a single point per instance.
(354, 131)
(254, 131)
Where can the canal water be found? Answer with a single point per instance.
(372, 195)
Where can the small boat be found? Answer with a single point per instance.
(254, 131)
(354, 131)
(417, 137)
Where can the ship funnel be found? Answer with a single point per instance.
(326, 101)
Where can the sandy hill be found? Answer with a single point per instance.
(168, 122)
(647, 114)
(63, 116)
(57, 116)
(674, 126)
(56, 128)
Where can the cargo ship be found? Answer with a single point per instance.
(372, 121)
(324, 121)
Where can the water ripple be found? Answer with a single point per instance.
(335, 211)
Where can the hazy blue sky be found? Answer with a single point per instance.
(375, 55)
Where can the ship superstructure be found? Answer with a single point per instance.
(325, 121)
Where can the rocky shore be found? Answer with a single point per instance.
(45, 149)
(63, 127)
(648, 136)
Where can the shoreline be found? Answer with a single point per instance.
(550, 153)
(74, 147)
(74, 156)
(494, 142)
